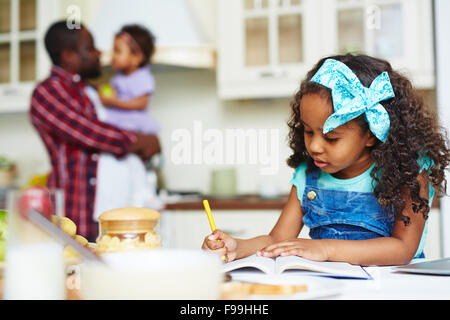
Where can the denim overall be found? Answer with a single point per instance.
(331, 214)
(346, 215)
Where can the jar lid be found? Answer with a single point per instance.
(129, 213)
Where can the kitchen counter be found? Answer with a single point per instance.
(240, 202)
(244, 202)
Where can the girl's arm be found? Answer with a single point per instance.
(397, 249)
(288, 226)
(139, 103)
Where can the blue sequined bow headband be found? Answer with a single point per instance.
(351, 98)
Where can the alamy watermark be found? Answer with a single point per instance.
(73, 20)
(373, 17)
(226, 147)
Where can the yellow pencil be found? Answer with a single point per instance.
(211, 219)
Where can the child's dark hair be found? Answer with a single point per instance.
(413, 132)
(144, 39)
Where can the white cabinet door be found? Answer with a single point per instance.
(23, 58)
(266, 47)
(399, 31)
(187, 229)
(184, 229)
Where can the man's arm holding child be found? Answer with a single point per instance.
(50, 112)
(139, 103)
(145, 145)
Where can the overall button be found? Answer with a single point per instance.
(311, 195)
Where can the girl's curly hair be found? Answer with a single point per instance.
(414, 133)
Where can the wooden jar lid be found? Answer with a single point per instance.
(130, 213)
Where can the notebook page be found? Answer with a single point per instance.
(335, 268)
(264, 264)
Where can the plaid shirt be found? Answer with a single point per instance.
(65, 119)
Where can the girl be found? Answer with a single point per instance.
(368, 159)
(125, 182)
(133, 84)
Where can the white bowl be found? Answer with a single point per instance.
(163, 274)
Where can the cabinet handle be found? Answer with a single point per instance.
(273, 74)
(10, 91)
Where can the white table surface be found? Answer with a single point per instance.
(386, 284)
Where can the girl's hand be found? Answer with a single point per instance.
(109, 101)
(225, 247)
(306, 248)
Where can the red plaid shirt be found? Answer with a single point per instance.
(65, 119)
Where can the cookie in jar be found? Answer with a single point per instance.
(127, 229)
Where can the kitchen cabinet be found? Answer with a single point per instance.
(188, 228)
(266, 47)
(399, 31)
(23, 58)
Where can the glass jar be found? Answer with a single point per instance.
(127, 229)
(34, 262)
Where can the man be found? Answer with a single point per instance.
(65, 119)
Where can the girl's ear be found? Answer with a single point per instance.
(136, 59)
(371, 139)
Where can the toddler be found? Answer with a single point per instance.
(368, 159)
(125, 182)
(133, 83)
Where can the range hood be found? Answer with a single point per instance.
(184, 29)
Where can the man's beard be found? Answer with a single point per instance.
(91, 74)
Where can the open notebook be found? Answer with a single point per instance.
(280, 264)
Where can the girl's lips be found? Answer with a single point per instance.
(320, 164)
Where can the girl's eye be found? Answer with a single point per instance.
(309, 133)
(331, 140)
